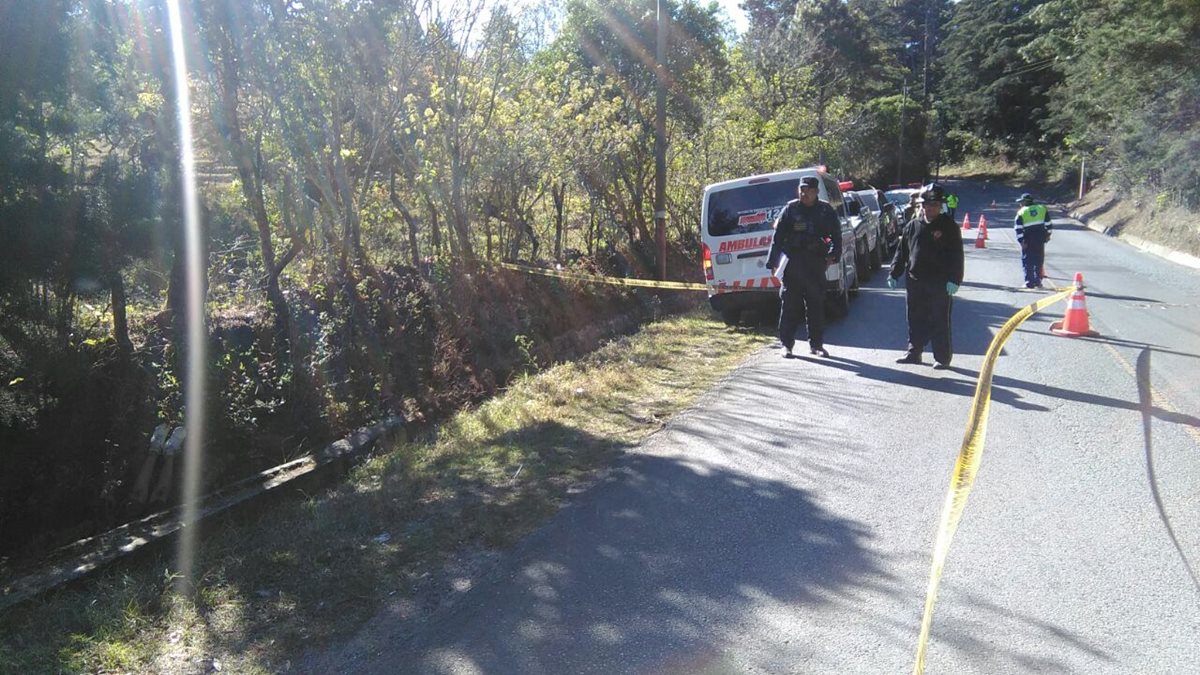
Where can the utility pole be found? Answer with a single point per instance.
(925, 66)
(900, 143)
(660, 142)
(1082, 174)
(937, 135)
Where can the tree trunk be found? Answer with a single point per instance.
(591, 230)
(534, 243)
(414, 253)
(458, 213)
(116, 286)
(558, 192)
(350, 217)
(250, 174)
(435, 227)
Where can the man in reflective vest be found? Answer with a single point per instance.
(951, 205)
(1033, 227)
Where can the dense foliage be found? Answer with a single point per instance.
(362, 161)
(1059, 81)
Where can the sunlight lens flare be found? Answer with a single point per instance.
(194, 320)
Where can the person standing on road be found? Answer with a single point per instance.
(951, 205)
(931, 253)
(1033, 227)
(807, 239)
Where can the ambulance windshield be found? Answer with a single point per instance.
(748, 208)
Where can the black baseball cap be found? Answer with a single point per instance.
(932, 193)
(809, 182)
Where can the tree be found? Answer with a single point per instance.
(612, 46)
(34, 184)
(81, 173)
(236, 33)
(992, 88)
(922, 25)
(1129, 90)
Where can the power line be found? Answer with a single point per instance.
(1032, 67)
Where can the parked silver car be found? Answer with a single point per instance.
(868, 242)
(887, 222)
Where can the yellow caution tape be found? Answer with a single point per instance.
(968, 463)
(595, 278)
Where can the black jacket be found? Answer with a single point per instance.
(806, 233)
(930, 251)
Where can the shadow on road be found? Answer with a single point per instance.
(1149, 412)
(976, 639)
(654, 571)
(878, 321)
(1007, 385)
(636, 576)
(1126, 298)
(1105, 339)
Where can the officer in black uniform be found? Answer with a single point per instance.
(808, 234)
(931, 253)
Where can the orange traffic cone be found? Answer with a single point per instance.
(993, 203)
(981, 237)
(967, 222)
(983, 225)
(1075, 321)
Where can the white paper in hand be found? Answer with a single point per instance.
(783, 261)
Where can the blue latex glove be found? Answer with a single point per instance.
(891, 282)
(951, 288)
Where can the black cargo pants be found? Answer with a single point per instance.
(803, 295)
(929, 308)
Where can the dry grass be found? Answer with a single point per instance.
(1141, 215)
(314, 570)
(986, 168)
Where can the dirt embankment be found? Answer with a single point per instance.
(1139, 217)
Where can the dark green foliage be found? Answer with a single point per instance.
(994, 87)
(33, 186)
(923, 30)
(1130, 90)
(833, 38)
(619, 38)
(68, 464)
(1058, 80)
(872, 152)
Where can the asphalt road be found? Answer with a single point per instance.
(785, 523)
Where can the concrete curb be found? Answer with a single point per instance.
(85, 556)
(1171, 255)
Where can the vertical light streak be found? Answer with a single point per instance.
(193, 398)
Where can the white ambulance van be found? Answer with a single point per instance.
(736, 220)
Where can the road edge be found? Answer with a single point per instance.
(1164, 252)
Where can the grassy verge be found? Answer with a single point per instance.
(986, 169)
(312, 571)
